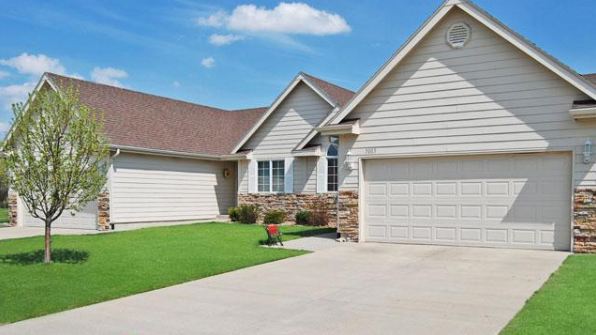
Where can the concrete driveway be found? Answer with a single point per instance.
(348, 289)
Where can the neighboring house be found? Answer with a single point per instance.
(468, 135)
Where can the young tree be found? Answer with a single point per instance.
(56, 156)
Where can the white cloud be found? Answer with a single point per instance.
(4, 74)
(108, 76)
(220, 40)
(218, 19)
(208, 62)
(176, 83)
(285, 18)
(15, 93)
(34, 64)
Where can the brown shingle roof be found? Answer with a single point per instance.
(591, 77)
(338, 94)
(147, 121)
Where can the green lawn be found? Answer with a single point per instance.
(3, 215)
(93, 268)
(566, 304)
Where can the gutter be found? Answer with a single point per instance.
(169, 153)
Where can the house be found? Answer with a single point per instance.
(468, 135)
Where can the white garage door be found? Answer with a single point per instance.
(84, 219)
(515, 201)
(148, 188)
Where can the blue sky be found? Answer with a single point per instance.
(236, 54)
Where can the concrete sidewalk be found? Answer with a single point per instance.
(20, 232)
(7, 233)
(312, 243)
(347, 289)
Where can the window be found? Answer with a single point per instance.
(264, 180)
(277, 171)
(332, 164)
(270, 176)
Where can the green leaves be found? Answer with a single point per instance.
(57, 155)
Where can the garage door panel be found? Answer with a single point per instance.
(470, 234)
(421, 233)
(399, 232)
(446, 234)
(501, 200)
(399, 189)
(523, 236)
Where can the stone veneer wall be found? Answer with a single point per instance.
(292, 203)
(12, 208)
(348, 215)
(584, 221)
(103, 211)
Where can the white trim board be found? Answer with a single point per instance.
(491, 23)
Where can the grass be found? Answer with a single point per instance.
(94, 268)
(566, 304)
(3, 215)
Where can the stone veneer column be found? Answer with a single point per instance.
(348, 215)
(584, 220)
(12, 208)
(103, 211)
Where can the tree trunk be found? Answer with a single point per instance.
(47, 256)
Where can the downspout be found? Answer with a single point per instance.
(337, 212)
(116, 154)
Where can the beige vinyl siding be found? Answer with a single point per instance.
(486, 97)
(295, 117)
(305, 175)
(146, 188)
(243, 176)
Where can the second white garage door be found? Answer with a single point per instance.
(84, 219)
(516, 201)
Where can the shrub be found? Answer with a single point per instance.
(319, 212)
(234, 214)
(274, 217)
(303, 217)
(248, 213)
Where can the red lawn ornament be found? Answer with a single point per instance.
(273, 234)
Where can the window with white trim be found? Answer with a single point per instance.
(271, 176)
(332, 164)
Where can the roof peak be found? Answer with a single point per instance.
(338, 94)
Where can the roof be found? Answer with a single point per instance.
(591, 77)
(140, 120)
(580, 82)
(336, 93)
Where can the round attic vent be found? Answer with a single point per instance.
(458, 35)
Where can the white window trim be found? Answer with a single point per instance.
(270, 176)
(327, 166)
